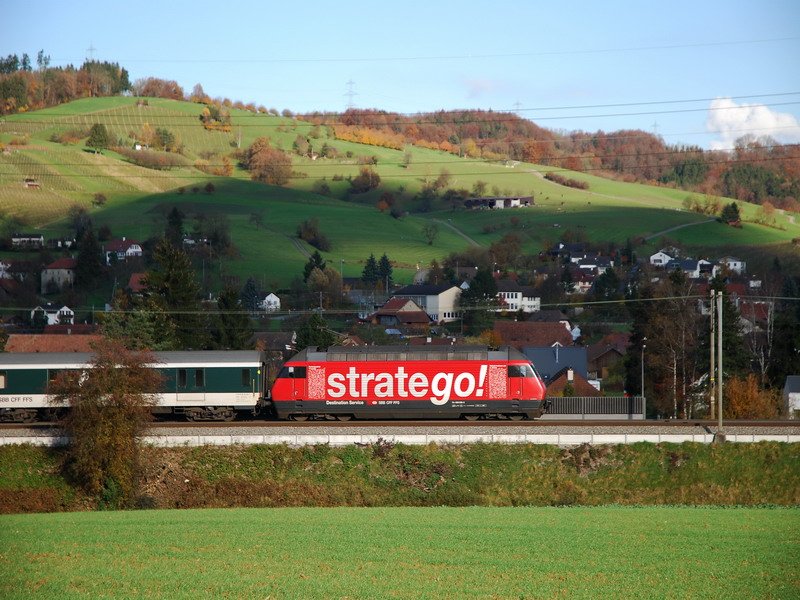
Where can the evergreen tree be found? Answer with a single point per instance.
(315, 332)
(370, 274)
(231, 328)
(139, 325)
(385, 271)
(98, 137)
(786, 347)
(735, 358)
(174, 230)
(89, 263)
(477, 301)
(249, 295)
(314, 262)
(730, 213)
(172, 282)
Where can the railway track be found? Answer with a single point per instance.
(361, 424)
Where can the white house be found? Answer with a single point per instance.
(55, 316)
(791, 396)
(270, 303)
(660, 259)
(733, 264)
(122, 250)
(516, 297)
(439, 301)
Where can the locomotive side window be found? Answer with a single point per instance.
(293, 373)
(520, 371)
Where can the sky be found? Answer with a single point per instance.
(700, 72)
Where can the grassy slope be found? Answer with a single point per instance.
(404, 552)
(609, 211)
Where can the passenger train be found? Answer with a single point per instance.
(374, 382)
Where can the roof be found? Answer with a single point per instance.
(136, 282)
(203, 357)
(549, 361)
(792, 385)
(50, 342)
(63, 263)
(579, 383)
(67, 329)
(120, 245)
(532, 333)
(424, 290)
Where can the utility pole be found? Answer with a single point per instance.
(644, 400)
(713, 367)
(350, 94)
(719, 365)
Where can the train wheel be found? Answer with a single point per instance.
(470, 417)
(299, 417)
(515, 417)
(343, 417)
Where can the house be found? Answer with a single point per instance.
(551, 360)
(498, 202)
(58, 275)
(439, 301)
(402, 313)
(791, 396)
(660, 259)
(136, 283)
(515, 297)
(733, 264)
(122, 250)
(27, 241)
(606, 353)
(580, 385)
(45, 342)
(270, 303)
(53, 314)
(520, 334)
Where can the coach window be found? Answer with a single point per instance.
(199, 378)
(245, 377)
(2, 380)
(182, 378)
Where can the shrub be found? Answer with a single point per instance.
(561, 180)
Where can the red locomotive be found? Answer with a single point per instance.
(396, 382)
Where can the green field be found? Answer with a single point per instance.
(474, 552)
(610, 211)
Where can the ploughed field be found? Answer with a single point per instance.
(404, 553)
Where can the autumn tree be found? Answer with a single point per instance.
(268, 164)
(110, 406)
(745, 399)
(366, 180)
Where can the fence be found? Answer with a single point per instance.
(595, 407)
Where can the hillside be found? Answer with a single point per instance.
(138, 197)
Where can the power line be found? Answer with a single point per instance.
(470, 56)
(438, 121)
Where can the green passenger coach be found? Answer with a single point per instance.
(200, 385)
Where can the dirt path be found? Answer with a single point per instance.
(655, 235)
(449, 225)
(299, 245)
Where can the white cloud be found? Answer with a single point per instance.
(731, 121)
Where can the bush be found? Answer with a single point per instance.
(150, 159)
(556, 178)
(308, 231)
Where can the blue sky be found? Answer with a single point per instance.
(668, 60)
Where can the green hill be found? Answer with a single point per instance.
(47, 147)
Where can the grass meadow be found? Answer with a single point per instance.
(609, 211)
(604, 552)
